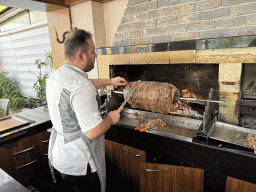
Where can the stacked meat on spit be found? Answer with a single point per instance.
(153, 96)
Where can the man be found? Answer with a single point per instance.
(77, 147)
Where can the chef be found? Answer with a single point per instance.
(77, 147)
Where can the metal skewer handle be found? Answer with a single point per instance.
(118, 92)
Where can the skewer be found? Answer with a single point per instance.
(184, 98)
(195, 100)
(118, 92)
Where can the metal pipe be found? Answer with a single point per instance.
(118, 92)
(196, 100)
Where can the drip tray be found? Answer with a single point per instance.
(182, 128)
(232, 134)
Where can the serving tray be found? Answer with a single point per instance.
(13, 122)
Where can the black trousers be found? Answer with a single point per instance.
(85, 183)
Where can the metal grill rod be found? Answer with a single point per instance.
(196, 100)
(185, 98)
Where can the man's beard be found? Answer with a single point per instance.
(89, 65)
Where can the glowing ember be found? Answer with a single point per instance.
(184, 108)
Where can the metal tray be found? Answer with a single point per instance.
(231, 134)
(182, 128)
(13, 122)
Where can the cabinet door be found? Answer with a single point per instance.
(123, 167)
(236, 185)
(22, 158)
(42, 170)
(165, 178)
(5, 160)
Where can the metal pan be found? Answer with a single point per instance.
(231, 134)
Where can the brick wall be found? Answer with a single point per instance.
(155, 21)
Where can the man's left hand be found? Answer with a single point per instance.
(118, 81)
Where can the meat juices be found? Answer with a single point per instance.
(152, 96)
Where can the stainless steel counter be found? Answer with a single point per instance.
(181, 128)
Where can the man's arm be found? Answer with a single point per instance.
(100, 83)
(112, 118)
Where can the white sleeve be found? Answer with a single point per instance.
(85, 105)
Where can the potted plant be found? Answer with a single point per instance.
(40, 84)
(10, 89)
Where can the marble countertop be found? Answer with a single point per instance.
(39, 117)
(8, 184)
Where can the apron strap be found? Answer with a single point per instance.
(51, 143)
(100, 168)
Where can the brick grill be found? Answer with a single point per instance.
(147, 21)
(177, 22)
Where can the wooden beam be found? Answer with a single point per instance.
(57, 2)
(73, 2)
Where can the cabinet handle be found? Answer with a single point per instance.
(136, 155)
(23, 151)
(46, 154)
(151, 170)
(26, 165)
(46, 141)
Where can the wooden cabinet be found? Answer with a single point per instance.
(42, 170)
(123, 167)
(127, 170)
(25, 156)
(18, 158)
(236, 185)
(163, 178)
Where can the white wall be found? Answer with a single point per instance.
(18, 51)
(82, 18)
(113, 14)
(101, 19)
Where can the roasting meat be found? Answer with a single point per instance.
(153, 124)
(152, 96)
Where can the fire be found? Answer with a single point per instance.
(183, 105)
(186, 93)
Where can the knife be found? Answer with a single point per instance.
(127, 98)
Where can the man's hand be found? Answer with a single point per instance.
(118, 81)
(115, 115)
(112, 118)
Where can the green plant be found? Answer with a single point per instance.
(10, 89)
(40, 84)
(48, 58)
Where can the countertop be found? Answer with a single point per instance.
(218, 159)
(41, 122)
(8, 184)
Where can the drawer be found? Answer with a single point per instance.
(25, 170)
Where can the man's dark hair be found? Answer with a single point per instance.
(76, 41)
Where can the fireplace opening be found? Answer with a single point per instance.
(247, 104)
(192, 80)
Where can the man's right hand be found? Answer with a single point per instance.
(115, 115)
(112, 118)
